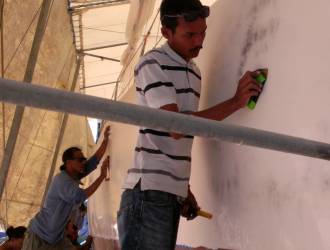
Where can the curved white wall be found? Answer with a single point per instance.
(263, 199)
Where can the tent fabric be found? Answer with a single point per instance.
(139, 13)
(141, 37)
(39, 131)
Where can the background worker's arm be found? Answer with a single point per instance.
(247, 87)
(93, 161)
(103, 147)
(94, 186)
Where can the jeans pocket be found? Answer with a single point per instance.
(126, 202)
(126, 224)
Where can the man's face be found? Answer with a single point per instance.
(188, 38)
(77, 164)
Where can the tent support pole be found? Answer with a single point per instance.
(61, 134)
(19, 111)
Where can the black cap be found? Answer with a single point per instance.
(68, 154)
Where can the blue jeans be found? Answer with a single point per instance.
(148, 220)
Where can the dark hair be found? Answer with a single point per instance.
(16, 232)
(176, 7)
(68, 154)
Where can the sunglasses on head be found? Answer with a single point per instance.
(192, 15)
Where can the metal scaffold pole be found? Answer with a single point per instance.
(84, 105)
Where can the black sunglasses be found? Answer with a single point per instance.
(191, 16)
(81, 159)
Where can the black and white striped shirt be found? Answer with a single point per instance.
(162, 163)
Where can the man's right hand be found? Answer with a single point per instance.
(247, 87)
(105, 167)
(106, 133)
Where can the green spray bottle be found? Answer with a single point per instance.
(261, 78)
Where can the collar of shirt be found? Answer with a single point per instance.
(75, 179)
(175, 56)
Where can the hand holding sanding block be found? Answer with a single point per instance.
(204, 214)
(261, 78)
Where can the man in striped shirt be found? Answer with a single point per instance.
(167, 78)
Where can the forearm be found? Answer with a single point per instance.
(94, 186)
(219, 111)
(101, 150)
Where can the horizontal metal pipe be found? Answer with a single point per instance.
(63, 101)
(99, 4)
(104, 47)
(98, 85)
(100, 57)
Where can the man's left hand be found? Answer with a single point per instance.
(190, 207)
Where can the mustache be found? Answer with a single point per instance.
(196, 49)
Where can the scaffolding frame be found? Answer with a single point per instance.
(77, 10)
